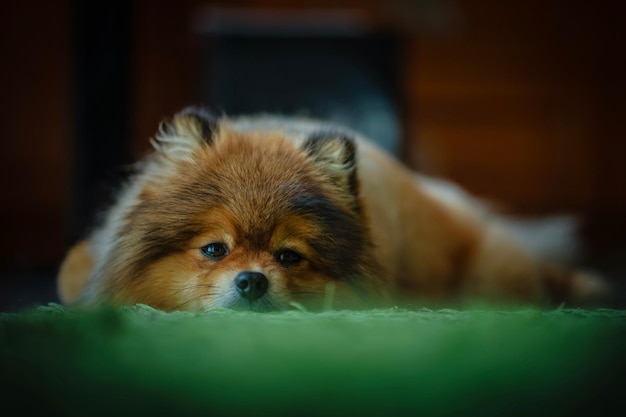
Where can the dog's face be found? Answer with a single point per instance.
(244, 221)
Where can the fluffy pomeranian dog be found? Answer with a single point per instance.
(267, 213)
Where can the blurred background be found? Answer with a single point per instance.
(521, 101)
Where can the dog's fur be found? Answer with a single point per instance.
(364, 230)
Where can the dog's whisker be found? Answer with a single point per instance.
(177, 290)
(194, 299)
(308, 292)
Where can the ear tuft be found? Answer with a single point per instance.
(190, 128)
(198, 122)
(335, 154)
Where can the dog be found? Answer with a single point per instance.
(269, 213)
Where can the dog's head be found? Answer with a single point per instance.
(246, 220)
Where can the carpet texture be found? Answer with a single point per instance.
(140, 361)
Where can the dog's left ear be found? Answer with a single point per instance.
(335, 155)
(196, 122)
(189, 129)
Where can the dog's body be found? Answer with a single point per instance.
(265, 212)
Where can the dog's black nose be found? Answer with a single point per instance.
(251, 285)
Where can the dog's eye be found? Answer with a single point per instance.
(288, 257)
(214, 250)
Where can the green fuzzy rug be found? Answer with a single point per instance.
(140, 361)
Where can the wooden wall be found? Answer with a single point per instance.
(523, 101)
(36, 124)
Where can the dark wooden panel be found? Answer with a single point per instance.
(522, 101)
(35, 105)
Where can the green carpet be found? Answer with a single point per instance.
(139, 361)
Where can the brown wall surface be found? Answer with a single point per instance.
(36, 117)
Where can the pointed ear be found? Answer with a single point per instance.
(335, 155)
(189, 128)
(197, 122)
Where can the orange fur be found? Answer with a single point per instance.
(74, 272)
(366, 231)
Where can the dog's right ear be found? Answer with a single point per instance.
(190, 128)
